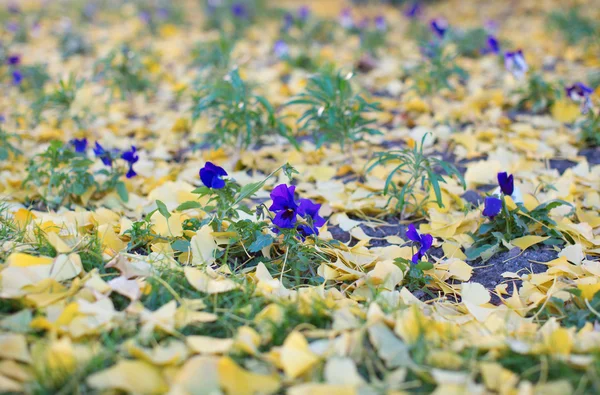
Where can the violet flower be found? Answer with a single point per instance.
(284, 206)
(413, 10)
(492, 45)
(492, 206)
(80, 145)
(17, 77)
(380, 23)
(515, 63)
(303, 13)
(103, 154)
(345, 18)
(307, 209)
(580, 93)
(212, 176)
(507, 183)
(281, 49)
(425, 241)
(439, 26)
(130, 157)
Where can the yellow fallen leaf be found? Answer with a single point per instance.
(235, 380)
(296, 357)
(209, 345)
(527, 241)
(565, 111)
(136, 377)
(207, 284)
(14, 346)
(203, 246)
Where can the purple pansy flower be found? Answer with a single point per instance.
(103, 154)
(308, 209)
(380, 23)
(284, 206)
(17, 77)
(492, 45)
(239, 10)
(492, 206)
(515, 63)
(80, 145)
(130, 157)
(507, 183)
(439, 26)
(413, 10)
(346, 19)
(425, 241)
(281, 49)
(212, 176)
(363, 24)
(580, 92)
(14, 60)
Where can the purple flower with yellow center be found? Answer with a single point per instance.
(439, 26)
(103, 154)
(239, 10)
(425, 241)
(212, 176)
(515, 63)
(580, 93)
(284, 206)
(80, 145)
(492, 45)
(346, 20)
(17, 77)
(507, 183)
(380, 23)
(310, 211)
(13, 60)
(413, 10)
(492, 206)
(130, 157)
(281, 49)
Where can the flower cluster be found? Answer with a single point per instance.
(287, 210)
(493, 204)
(106, 156)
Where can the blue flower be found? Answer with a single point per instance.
(346, 19)
(515, 63)
(212, 176)
(309, 210)
(239, 10)
(439, 26)
(380, 23)
(581, 93)
(14, 60)
(493, 46)
(103, 154)
(284, 206)
(492, 206)
(425, 242)
(413, 10)
(80, 145)
(281, 49)
(130, 157)
(303, 13)
(17, 77)
(288, 21)
(507, 183)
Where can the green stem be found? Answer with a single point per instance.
(505, 209)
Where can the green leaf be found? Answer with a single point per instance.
(262, 241)
(181, 245)
(202, 190)
(424, 266)
(122, 191)
(162, 208)
(188, 205)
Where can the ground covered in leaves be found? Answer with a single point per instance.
(206, 197)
